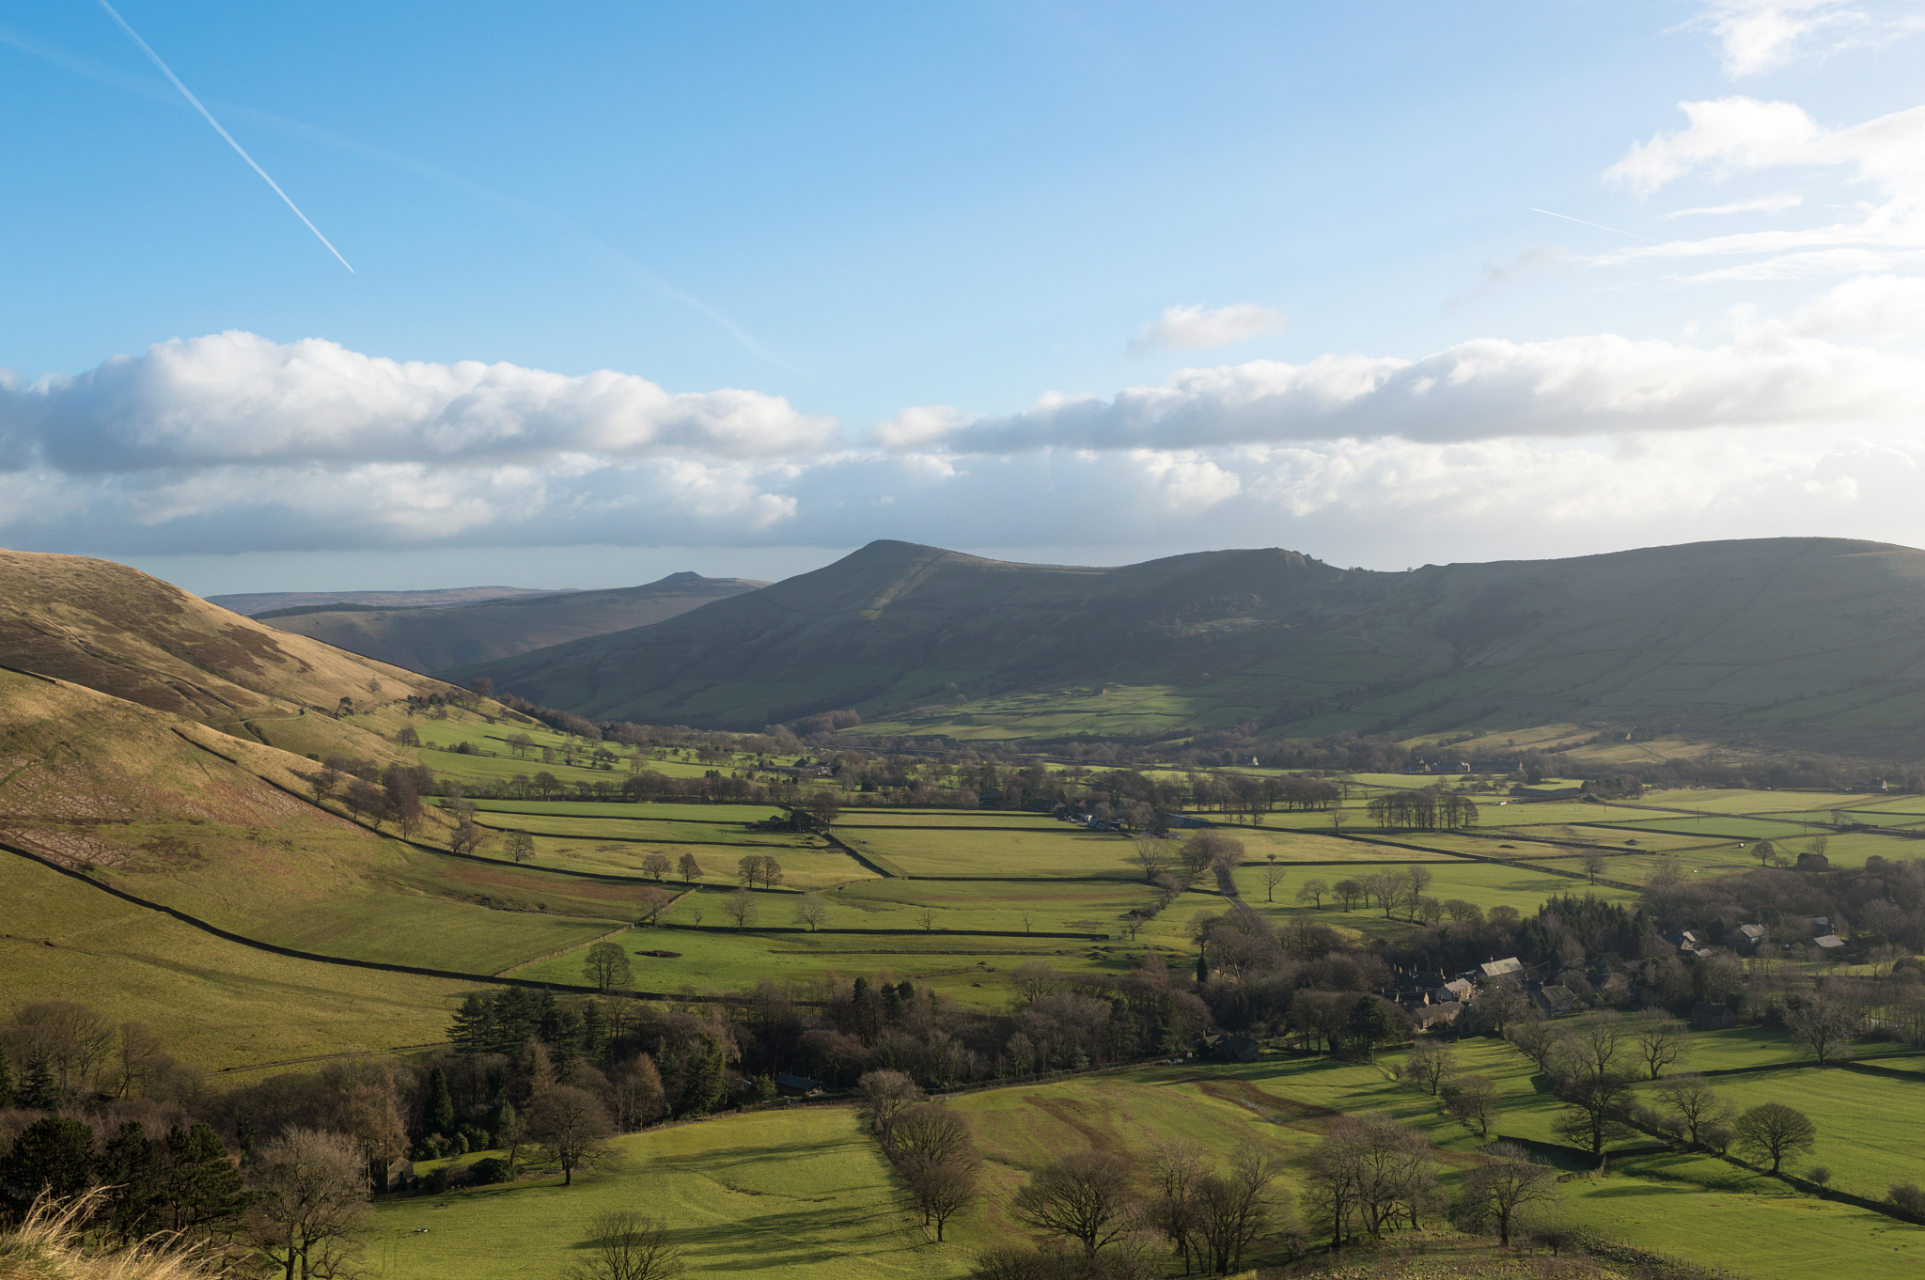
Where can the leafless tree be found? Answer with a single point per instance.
(652, 901)
(570, 1124)
(689, 869)
(74, 1041)
(1429, 1064)
(1177, 1170)
(313, 1205)
(1696, 1106)
(1661, 1041)
(1086, 1196)
(1273, 874)
(941, 1191)
(656, 865)
(886, 1095)
(1152, 854)
(624, 1245)
(1035, 979)
(1238, 1208)
(1593, 863)
(1824, 1028)
(1313, 890)
(926, 1134)
(1503, 1189)
(926, 917)
(1472, 1101)
(519, 846)
(812, 909)
(740, 906)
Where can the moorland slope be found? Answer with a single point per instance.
(426, 639)
(115, 630)
(255, 603)
(1791, 638)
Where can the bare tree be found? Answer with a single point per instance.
(1472, 1101)
(313, 1205)
(1085, 1196)
(1313, 890)
(1593, 863)
(1696, 1106)
(1177, 1171)
(1273, 873)
(1429, 1064)
(74, 1043)
(812, 909)
(926, 917)
(1348, 891)
(1824, 1027)
(1152, 855)
(941, 1191)
(570, 1124)
(926, 1134)
(1501, 1190)
(1775, 1132)
(886, 1094)
(740, 906)
(1035, 979)
(656, 865)
(1661, 1041)
(520, 846)
(1238, 1208)
(623, 1245)
(653, 900)
(689, 869)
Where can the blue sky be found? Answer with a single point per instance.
(639, 288)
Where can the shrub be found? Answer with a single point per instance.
(490, 1171)
(1908, 1200)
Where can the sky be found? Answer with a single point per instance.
(568, 296)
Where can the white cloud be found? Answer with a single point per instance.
(1477, 390)
(238, 399)
(1731, 136)
(1764, 204)
(1881, 305)
(234, 441)
(1196, 328)
(1763, 35)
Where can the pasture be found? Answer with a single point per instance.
(803, 1192)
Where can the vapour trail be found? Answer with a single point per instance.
(209, 117)
(1534, 209)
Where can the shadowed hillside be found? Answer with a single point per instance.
(255, 603)
(1791, 638)
(429, 639)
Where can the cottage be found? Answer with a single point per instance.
(1458, 989)
(1752, 934)
(1505, 968)
(1234, 1049)
(1829, 944)
(1554, 1000)
(796, 1086)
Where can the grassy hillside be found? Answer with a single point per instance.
(1791, 637)
(431, 638)
(118, 631)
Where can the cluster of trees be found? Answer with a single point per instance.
(931, 1146)
(383, 794)
(1429, 809)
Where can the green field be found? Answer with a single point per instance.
(802, 1193)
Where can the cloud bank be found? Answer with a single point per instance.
(233, 441)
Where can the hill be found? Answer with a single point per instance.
(255, 603)
(431, 638)
(113, 629)
(1811, 639)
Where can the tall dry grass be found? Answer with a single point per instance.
(50, 1244)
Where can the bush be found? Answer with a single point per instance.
(1908, 1200)
(490, 1171)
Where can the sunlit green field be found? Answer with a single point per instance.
(802, 1193)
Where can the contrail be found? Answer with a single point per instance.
(1533, 208)
(209, 117)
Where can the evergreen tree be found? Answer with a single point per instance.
(54, 1155)
(128, 1169)
(441, 1103)
(708, 1082)
(199, 1186)
(38, 1092)
(472, 1031)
